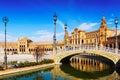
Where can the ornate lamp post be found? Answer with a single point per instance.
(37, 55)
(116, 23)
(54, 37)
(5, 20)
(65, 25)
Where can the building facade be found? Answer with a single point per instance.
(80, 37)
(26, 45)
(112, 40)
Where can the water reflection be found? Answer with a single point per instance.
(88, 65)
(79, 68)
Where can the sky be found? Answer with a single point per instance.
(34, 18)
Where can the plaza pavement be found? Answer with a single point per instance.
(23, 57)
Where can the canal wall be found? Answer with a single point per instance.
(25, 70)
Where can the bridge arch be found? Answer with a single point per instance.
(66, 55)
(87, 55)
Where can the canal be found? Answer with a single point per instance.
(83, 68)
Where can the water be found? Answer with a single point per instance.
(83, 69)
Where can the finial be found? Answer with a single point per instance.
(65, 26)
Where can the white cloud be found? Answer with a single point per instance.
(87, 26)
(60, 23)
(60, 34)
(38, 36)
(9, 38)
(44, 35)
(110, 21)
(43, 32)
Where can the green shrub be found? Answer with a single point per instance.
(27, 63)
(12, 62)
(1, 67)
(45, 61)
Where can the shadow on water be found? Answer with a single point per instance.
(118, 67)
(85, 75)
(67, 68)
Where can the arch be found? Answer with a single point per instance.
(66, 55)
(82, 41)
(83, 61)
(106, 45)
(110, 45)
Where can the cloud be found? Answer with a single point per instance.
(60, 34)
(60, 23)
(87, 26)
(110, 21)
(38, 36)
(9, 38)
(45, 35)
(43, 32)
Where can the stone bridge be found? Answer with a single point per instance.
(106, 52)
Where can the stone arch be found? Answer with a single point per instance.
(61, 58)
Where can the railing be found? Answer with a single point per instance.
(87, 47)
(118, 51)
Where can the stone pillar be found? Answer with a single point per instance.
(80, 42)
(72, 41)
(54, 55)
(96, 46)
(77, 39)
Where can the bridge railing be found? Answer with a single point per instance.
(85, 47)
(106, 49)
(118, 51)
(88, 47)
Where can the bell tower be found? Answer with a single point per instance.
(66, 37)
(103, 31)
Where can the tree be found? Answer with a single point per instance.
(39, 52)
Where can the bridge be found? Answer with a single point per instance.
(106, 52)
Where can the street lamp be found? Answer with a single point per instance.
(54, 36)
(5, 20)
(116, 23)
(65, 25)
(37, 55)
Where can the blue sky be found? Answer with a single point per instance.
(34, 18)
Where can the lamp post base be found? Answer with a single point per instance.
(5, 63)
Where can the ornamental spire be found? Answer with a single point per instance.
(103, 23)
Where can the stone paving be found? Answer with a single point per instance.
(23, 57)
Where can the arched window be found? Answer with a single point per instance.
(106, 45)
(82, 41)
(110, 45)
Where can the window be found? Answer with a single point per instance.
(82, 41)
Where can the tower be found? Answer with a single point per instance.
(66, 37)
(103, 31)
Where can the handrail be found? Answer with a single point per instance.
(88, 47)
